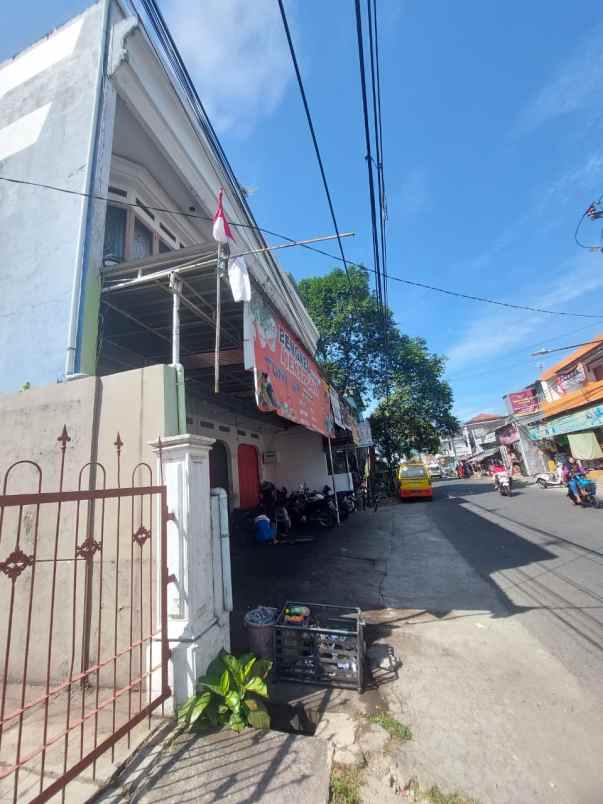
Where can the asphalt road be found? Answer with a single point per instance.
(493, 605)
(544, 558)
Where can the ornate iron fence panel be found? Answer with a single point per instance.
(83, 620)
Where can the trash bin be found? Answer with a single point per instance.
(259, 623)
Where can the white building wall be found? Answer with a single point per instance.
(300, 459)
(46, 120)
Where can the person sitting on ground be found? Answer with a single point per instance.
(265, 531)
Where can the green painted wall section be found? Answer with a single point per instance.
(90, 324)
(174, 403)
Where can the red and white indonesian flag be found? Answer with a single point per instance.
(221, 230)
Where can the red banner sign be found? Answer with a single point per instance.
(524, 401)
(287, 380)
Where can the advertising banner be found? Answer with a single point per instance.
(586, 419)
(507, 435)
(287, 380)
(570, 380)
(524, 401)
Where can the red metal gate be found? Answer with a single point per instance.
(83, 620)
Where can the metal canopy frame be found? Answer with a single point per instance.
(139, 325)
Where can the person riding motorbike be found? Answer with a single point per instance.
(571, 470)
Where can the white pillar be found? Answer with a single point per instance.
(198, 626)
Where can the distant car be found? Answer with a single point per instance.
(435, 470)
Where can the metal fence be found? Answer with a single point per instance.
(83, 622)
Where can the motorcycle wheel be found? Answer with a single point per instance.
(542, 483)
(326, 520)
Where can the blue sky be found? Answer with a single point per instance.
(493, 143)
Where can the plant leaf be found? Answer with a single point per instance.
(262, 667)
(224, 683)
(236, 722)
(258, 686)
(258, 717)
(213, 687)
(211, 712)
(185, 710)
(233, 701)
(201, 704)
(234, 667)
(212, 674)
(247, 661)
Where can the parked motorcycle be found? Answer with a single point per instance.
(311, 508)
(548, 480)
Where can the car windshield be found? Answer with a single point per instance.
(412, 471)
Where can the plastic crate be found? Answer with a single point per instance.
(328, 650)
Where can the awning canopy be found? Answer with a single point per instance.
(139, 327)
(488, 453)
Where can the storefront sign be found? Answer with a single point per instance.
(571, 380)
(287, 380)
(507, 435)
(586, 419)
(524, 401)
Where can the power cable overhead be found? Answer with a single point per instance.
(369, 158)
(314, 138)
(234, 224)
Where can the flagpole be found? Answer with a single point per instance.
(218, 316)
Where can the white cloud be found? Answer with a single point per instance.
(576, 86)
(237, 54)
(497, 331)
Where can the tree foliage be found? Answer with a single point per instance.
(373, 362)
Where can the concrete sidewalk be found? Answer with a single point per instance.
(266, 766)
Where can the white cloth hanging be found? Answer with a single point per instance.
(239, 280)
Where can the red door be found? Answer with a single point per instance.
(249, 476)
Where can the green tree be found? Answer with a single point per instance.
(413, 419)
(350, 348)
(369, 359)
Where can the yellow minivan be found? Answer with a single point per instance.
(414, 481)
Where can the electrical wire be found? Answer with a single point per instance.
(485, 300)
(393, 277)
(314, 138)
(165, 210)
(510, 356)
(566, 348)
(369, 159)
(378, 131)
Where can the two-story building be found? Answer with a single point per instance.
(572, 405)
(113, 291)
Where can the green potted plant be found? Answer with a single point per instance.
(229, 694)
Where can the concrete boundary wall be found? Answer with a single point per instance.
(137, 405)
